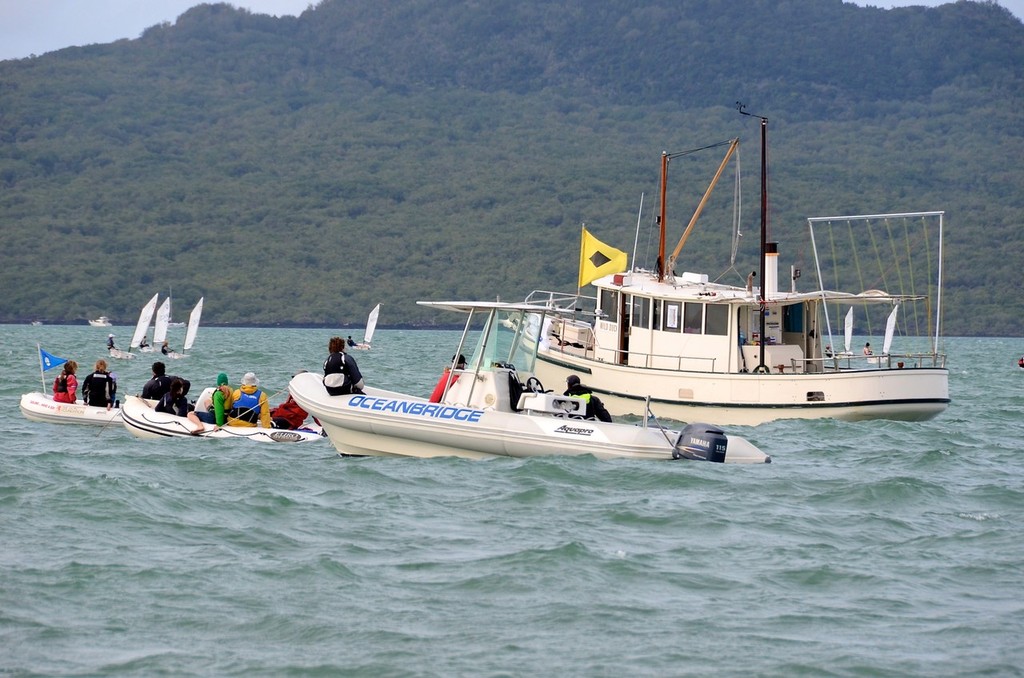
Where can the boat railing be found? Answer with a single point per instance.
(566, 301)
(842, 362)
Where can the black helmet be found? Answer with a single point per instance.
(572, 380)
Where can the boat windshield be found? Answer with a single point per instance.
(508, 337)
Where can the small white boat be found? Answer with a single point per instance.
(191, 332)
(41, 407)
(102, 321)
(371, 327)
(143, 421)
(487, 410)
(120, 355)
(141, 327)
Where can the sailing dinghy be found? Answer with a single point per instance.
(371, 327)
(141, 327)
(190, 333)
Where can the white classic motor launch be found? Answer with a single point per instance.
(689, 347)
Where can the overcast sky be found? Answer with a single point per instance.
(38, 26)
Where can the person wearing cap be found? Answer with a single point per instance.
(110, 342)
(595, 408)
(249, 406)
(220, 403)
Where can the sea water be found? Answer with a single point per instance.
(874, 548)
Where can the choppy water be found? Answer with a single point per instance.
(865, 549)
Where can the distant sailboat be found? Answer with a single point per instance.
(371, 327)
(191, 332)
(890, 329)
(163, 316)
(848, 334)
(142, 327)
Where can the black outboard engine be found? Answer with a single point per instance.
(701, 442)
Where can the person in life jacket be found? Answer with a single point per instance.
(595, 408)
(100, 387)
(249, 405)
(1020, 363)
(110, 342)
(65, 386)
(341, 373)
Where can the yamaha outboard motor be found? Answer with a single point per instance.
(701, 442)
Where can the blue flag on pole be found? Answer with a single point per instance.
(49, 360)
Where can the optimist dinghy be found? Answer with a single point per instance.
(487, 409)
(41, 407)
(143, 421)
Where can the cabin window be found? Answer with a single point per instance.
(671, 316)
(717, 321)
(793, 318)
(608, 302)
(655, 314)
(641, 312)
(693, 315)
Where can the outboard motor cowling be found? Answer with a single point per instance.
(701, 442)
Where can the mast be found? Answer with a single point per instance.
(761, 367)
(662, 216)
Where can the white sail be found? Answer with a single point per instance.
(163, 316)
(849, 328)
(890, 329)
(193, 325)
(143, 325)
(371, 324)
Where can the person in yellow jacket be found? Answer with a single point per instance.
(249, 404)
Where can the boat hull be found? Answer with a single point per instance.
(144, 422)
(41, 407)
(384, 423)
(749, 399)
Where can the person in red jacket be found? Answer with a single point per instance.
(288, 414)
(65, 386)
(460, 364)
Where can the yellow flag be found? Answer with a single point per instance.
(598, 259)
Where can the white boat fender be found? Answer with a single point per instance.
(701, 442)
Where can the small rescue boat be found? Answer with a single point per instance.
(38, 406)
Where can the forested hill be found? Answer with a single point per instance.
(298, 170)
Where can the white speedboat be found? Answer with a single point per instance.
(691, 347)
(143, 421)
(102, 321)
(41, 407)
(493, 408)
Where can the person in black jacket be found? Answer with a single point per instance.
(100, 388)
(341, 373)
(160, 384)
(595, 408)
